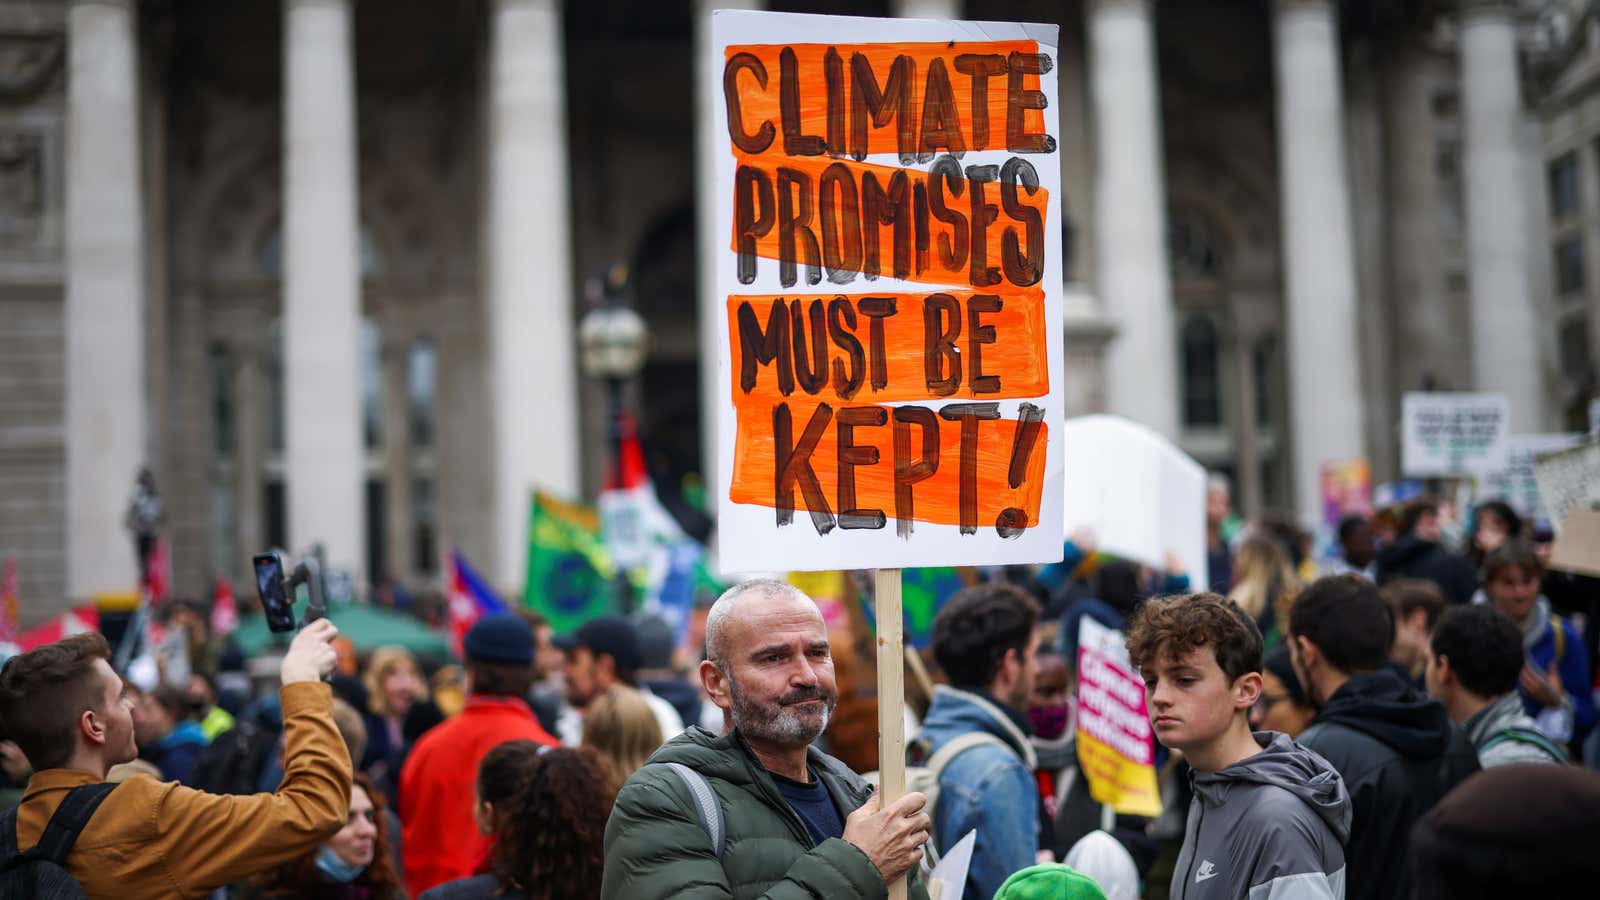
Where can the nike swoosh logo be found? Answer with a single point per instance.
(1200, 878)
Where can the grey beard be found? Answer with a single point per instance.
(778, 725)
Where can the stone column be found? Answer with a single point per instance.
(1130, 208)
(926, 9)
(106, 410)
(1505, 326)
(711, 153)
(322, 287)
(1325, 406)
(250, 441)
(1240, 347)
(1370, 221)
(398, 513)
(1086, 330)
(533, 398)
(1428, 338)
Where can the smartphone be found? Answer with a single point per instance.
(275, 600)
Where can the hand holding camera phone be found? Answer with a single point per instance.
(311, 655)
(276, 589)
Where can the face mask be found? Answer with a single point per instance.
(1049, 722)
(336, 868)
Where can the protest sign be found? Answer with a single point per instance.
(1141, 495)
(1444, 434)
(1577, 549)
(1569, 480)
(1515, 484)
(1346, 491)
(1114, 736)
(890, 387)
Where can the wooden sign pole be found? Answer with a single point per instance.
(891, 696)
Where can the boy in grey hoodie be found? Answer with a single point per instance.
(1269, 819)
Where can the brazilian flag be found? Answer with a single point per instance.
(922, 592)
(570, 576)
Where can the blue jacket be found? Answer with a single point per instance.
(1574, 669)
(175, 754)
(990, 788)
(1539, 642)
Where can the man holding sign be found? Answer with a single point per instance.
(789, 820)
(887, 274)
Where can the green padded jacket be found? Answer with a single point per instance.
(656, 845)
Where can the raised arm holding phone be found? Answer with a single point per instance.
(67, 709)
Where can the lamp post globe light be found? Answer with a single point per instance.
(613, 341)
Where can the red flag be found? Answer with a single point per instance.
(471, 598)
(463, 612)
(84, 618)
(224, 609)
(10, 613)
(633, 521)
(158, 572)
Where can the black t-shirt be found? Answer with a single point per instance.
(812, 803)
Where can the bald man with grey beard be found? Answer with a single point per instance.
(793, 820)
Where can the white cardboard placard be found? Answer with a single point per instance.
(1447, 434)
(750, 536)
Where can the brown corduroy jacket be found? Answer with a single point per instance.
(153, 839)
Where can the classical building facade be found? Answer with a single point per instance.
(1567, 75)
(317, 263)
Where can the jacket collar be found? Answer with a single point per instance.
(57, 780)
(497, 702)
(992, 716)
(1501, 714)
(762, 782)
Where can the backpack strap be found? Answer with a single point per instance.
(706, 805)
(1526, 736)
(958, 746)
(69, 821)
(8, 838)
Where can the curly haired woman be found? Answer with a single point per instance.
(547, 814)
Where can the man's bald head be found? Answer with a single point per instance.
(763, 592)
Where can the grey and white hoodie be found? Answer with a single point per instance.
(1270, 827)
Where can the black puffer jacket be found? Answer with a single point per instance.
(1398, 754)
(1413, 557)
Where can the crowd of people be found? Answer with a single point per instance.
(1410, 719)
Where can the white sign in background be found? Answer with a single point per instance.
(1449, 434)
(1138, 493)
(1516, 484)
(748, 538)
(1569, 480)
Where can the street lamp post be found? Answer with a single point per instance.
(613, 341)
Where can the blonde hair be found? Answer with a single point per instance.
(383, 663)
(352, 729)
(623, 729)
(1262, 574)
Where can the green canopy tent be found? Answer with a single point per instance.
(368, 627)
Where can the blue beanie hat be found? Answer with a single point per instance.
(500, 638)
